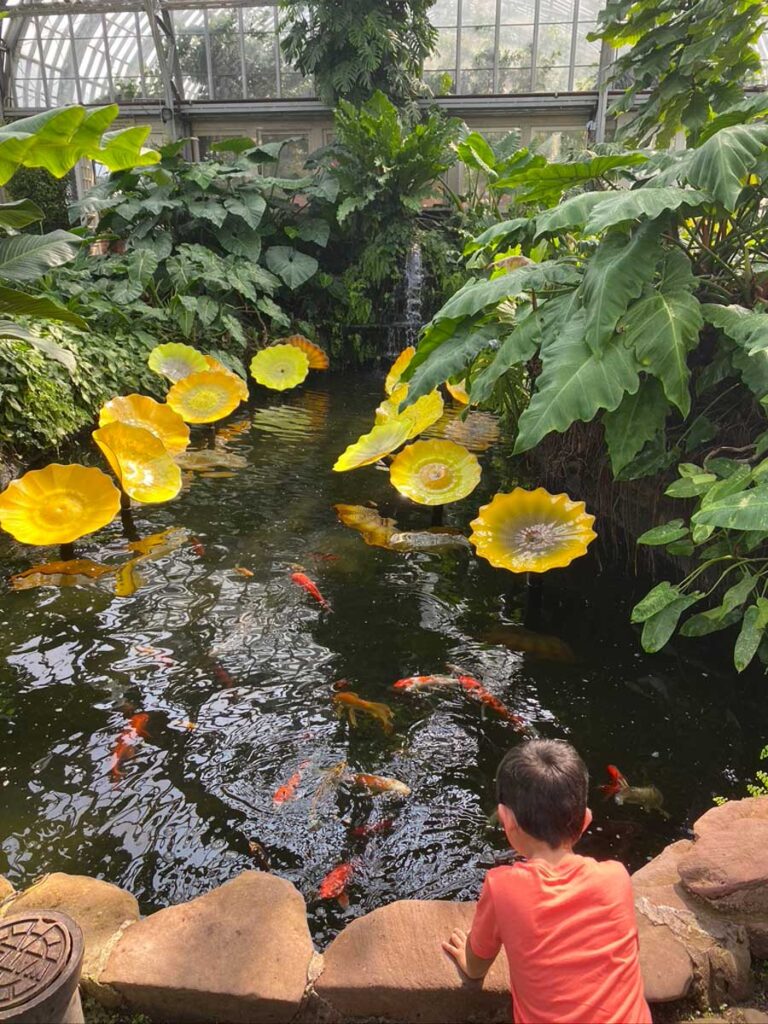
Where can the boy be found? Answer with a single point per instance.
(567, 923)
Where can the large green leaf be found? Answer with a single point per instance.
(569, 214)
(722, 163)
(516, 348)
(290, 265)
(658, 629)
(15, 303)
(744, 510)
(9, 329)
(662, 329)
(617, 274)
(550, 181)
(251, 211)
(639, 418)
(124, 148)
(208, 209)
(449, 359)
(747, 327)
(241, 241)
(752, 630)
(669, 532)
(505, 229)
(26, 257)
(19, 214)
(477, 295)
(574, 384)
(640, 202)
(662, 595)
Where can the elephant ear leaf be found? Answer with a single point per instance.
(722, 163)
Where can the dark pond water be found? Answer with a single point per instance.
(252, 659)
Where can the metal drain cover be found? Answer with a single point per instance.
(34, 950)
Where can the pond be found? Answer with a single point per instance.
(235, 671)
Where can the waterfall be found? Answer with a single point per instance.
(414, 280)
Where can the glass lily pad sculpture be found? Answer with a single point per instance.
(375, 529)
(398, 368)
(424, 412)
(435, 472)
(458, 392)
(280, 367)
(318, 357)
(374, 445)
(176, 361)
(156, 417)
(214, 364)
(532, 531)
(139, 460)
(205, 397)
(58, 504)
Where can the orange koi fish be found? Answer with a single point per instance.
(380, 784)
(650, 798)
(617, 783)
(306, 583)
(476, 689)
(287, 791)
(222, 675)
(125, 746)
(376, 828)
(341, 684)
(243, 572)
(351, 703)
(421, 682)
(334, 885)
(198, 547)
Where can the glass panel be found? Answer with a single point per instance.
(225, 56)
(514, 80)
(444, 12)
(259, 19)
(558, 145)
(556, 10)
(585, 79)
(554, 45)
(550, 79)
(586, 52)
(261, 74)
(479, 12)
(295, 86)
(517, 12)
(30, 93)
(516, 46)
(89, 56)
(441, 80)
(187, 21)
(127, 88)
(445, 51)
(477, 47)
(190, 51)
(477, 81)
(95, 90)
(85, 26)
(63, 91)
(293, 155)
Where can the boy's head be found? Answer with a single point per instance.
(544, 783)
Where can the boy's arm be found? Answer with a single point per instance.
(468, 962)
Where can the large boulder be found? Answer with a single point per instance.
(240, 953)
(389, 965)
(667, 968)
(6, 889)
(102, 910)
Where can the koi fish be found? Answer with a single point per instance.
(159, 656)
(322, 556)
(259, 854)
(650, 798)
(341, 684)
(306, 583)
(380, 784)
(422, 682)
(243, 572)
(135, 730)
(476, 689)
(222, 675)
(351, 703)
(377, 828)
(539, 646)
(334, 885)
(287, 791)
(198, 547)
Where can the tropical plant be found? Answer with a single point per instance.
(683, 59)
(355, 47)
(51, 195)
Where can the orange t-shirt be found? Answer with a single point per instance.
(570, 935)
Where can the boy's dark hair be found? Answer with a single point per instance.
(544, 783)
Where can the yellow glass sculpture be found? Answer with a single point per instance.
(156, 417)
(478, 432)
(390, 407)
(317, 357)
(424, 412)
(144, 469)
(280, 367)
(373, 446)
(77, 572)
(398, 368)
(175, 360)
(375, 529)
(532, 531)
(458, 392)
(435, 472)
(58, 504)
(205, 397)
(214, 364)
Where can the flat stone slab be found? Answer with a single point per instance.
(390, 965)
(667, 968)
(100, 908)
(239, 954)
(659, 879)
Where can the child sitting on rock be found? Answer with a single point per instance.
(567, 923)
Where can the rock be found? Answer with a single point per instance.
(6, 889)
(374, 969)
(667, 968)
(102, 910)
(238, 954)
(659, 880)
(727, 865)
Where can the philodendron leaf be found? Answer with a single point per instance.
(638, 419)
(516, 348)
(691, 486)
(747, 327)
(736, 595)
(449, 359)
(710, 621)
(660, 627)
(571, 213)
(751, 634)
(745, 510)
(477, 295)
(722, 163)
(291, 266)
(662, 594)
(666, 534)
(626, 205)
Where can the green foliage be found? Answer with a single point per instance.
(354, 48)
(50, 194)
(685, 60)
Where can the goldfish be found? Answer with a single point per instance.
(540, 646)
(380, 784)
(306, 583)
(341, 684)
(334, 885)
(650, 798)
(243, 572)
(222, 675)
(375, 828)
(135, 730)
(198, 547)
(351, 703)
(421, 682)
(476, 689)
(288, 790)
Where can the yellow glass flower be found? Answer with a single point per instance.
(478, 432)
(175, 360)
(532, 531)
(424, 412)
(435, 472)
(398, 368)
(144, 469)
(58, 504)
(458, 392)
(280, 367)
(317, 357)
(205, 397)
(373, 446)
(77, 572)
(375, 530)
(214, 364)
(390, 407)
(156, 417)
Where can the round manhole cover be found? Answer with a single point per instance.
(34, 950)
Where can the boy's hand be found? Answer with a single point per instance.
(458, 947)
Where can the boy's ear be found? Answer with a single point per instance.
(506, 817)
(587, 820)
